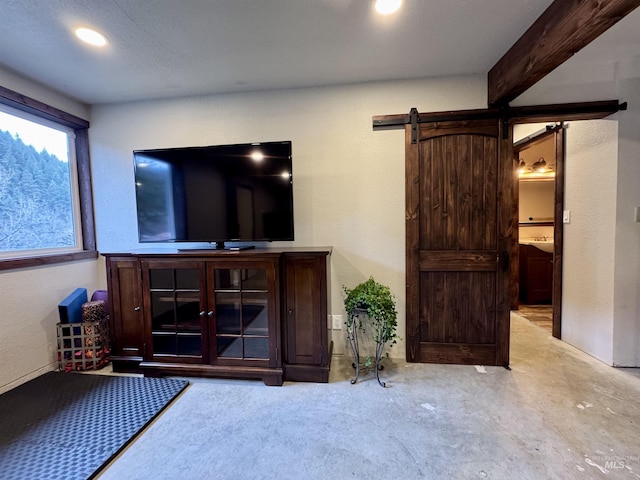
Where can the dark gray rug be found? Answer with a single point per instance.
(68, 425)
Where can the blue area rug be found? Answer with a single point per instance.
(68, 425)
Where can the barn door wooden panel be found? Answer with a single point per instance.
(459, 232)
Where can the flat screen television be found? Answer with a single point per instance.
(215, 194)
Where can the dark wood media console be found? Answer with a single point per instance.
(259, 313)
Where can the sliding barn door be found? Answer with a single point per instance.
(460, 229)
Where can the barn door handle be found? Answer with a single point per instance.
(504, 261)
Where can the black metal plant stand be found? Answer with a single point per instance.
(352, 335)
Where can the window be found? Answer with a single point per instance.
(38, 187)
(46, 213)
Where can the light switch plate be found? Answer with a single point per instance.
(566, 216)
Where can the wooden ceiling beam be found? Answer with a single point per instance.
(562, 30)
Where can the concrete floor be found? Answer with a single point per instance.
(558, 414)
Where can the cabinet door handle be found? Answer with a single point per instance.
(202, 313)
(210, 313)
(136, 309)
(291, 311)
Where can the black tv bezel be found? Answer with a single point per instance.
(220, 242)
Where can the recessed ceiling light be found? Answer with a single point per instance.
(90, 36)
(387, 7)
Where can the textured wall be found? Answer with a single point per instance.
(348, 179)
(589, 240)
(626, 346)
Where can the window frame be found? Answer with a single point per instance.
(81, 130)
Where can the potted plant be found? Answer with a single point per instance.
(371, 309)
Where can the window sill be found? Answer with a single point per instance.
(25, 262)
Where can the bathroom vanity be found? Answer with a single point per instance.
(536, 275)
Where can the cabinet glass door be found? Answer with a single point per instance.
(176, 318)
(242, 313)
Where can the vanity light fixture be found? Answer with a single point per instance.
(539, 170)
(387, 7)
(540, 165)
(91, 36)
(522, 167)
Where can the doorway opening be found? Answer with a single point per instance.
(537, 276)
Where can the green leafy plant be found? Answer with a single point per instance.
(374, 300)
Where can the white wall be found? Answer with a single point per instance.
(348, 179)
(29, 297)
(589, 240)
(602, 260)
(626, 334)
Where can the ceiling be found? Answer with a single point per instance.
(171, 48)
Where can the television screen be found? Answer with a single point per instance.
(241, 193)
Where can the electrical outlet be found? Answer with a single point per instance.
(337, 322)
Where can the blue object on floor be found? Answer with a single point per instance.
(70, 309)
